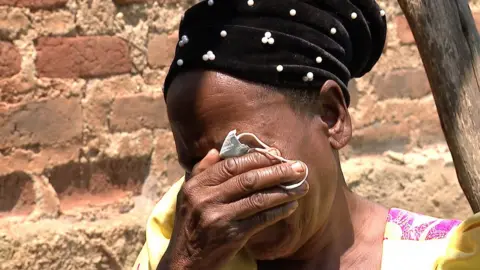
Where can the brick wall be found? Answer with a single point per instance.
(85, 146)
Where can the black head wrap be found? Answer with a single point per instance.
(295, 44)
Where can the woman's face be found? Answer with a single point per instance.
(204, 106)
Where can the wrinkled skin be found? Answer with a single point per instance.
(325, 227)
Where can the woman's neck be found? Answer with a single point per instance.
(369, 220)
(352, 238)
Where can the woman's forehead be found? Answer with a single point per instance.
(203, 109)
(212, 95)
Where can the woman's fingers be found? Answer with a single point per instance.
(256, 180)
(212, 157)
(264, 200)
(224, 170)
(256, 223)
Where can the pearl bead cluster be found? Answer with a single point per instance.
(267, 39)
(184, 40)
(308, 77)
(208, 56)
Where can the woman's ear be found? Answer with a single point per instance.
(335, 114)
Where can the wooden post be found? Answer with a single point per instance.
(449, 45)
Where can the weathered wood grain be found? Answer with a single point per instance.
(449, 45)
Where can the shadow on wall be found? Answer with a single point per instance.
(77, 185)
(16, 193)
(99, 183)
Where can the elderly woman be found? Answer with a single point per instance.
(277, 71)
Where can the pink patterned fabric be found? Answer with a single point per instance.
(417, 227)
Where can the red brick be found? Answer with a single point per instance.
(82, 57)
(134, 112)
(45, 122)
(35, 4)
(411, 83)
(27, 160)
(378, 138)
(10, 60)
(404, 32)
(99, 183)
(164, 151)
(396, 125)
(161, 49)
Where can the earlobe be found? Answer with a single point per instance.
(335, 114)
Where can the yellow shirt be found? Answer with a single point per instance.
(405, 246)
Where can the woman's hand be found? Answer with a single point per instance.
(224, 203)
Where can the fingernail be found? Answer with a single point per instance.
(298, 167)
(212, 152)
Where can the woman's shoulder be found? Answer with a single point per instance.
(406, 225)
(417, 241)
